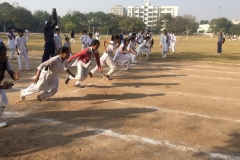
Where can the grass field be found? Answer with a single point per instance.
(201, 49)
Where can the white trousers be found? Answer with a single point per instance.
(25, 55)
(172, 45)
(72, 40)
(82, 73)
(123, 58)
(32, 89)
(109, 61)
(1, 110)
(12, 51)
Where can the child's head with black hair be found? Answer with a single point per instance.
(21, 32)
(67, 39)
(65, 52)
(84, 32)
(115, 37)
(134, 34)
(9, 29)
(1, 42)
(126, 42)
(132, 39)
(90, 35)
(147, 38)
(3, 53)
(95, 44)
(57, 30)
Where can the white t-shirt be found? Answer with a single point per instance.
(67, 44)
(21, 42)
(11, 42)
(83, 39)
(119, 51)
(26, 33)
(131, 46)
(58, 40)
(140, 38)
(97, 36)
(89, 41)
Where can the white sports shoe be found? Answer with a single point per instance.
(21, 95)
(3, 124)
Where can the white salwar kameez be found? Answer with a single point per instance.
(142, 48)
(173, 42)
(122, 58)
(48, 80)
(107, 58)
(165, 42)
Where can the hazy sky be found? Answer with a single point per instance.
(201, 9)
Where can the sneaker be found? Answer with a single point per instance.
(21, 95)
(135, 62)
(3, 124)
(67, 79)
(106, 77)
(90, 74)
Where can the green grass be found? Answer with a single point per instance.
(200, 49)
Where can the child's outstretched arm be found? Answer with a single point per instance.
(15, 76)
(70, 73)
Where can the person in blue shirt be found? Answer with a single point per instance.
(49, 47)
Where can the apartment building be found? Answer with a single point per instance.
(118, 10)
(149, 14)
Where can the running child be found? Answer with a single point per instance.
(144, 47)
(46, 80)
(21, 49)
(107, 57)
(85, 58)
(122, 55)
(5, 66)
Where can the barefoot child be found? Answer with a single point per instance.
(107, 57)
(5, 66)
(46, 79)
(84, 60)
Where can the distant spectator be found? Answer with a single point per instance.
(11, 43)
(72, 37)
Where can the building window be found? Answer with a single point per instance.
(150, 10)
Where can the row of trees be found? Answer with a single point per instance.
(19, 17)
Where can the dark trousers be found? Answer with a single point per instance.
(219, 50)
(49, 51)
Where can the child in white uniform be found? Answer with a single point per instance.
(68, 44)
(173, 41)
(5, 66)
(11, 43)
(122, 54)
(26, 34)
(144, 47)
(83, 40)
(58, 41)
(84, 60)
(47, 80)
(97, 35)
(131, 48)
(107, 57)
(21, 48)
(89, 40)
(165, 43)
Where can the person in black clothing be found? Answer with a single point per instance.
(49, 47)
(72, 37)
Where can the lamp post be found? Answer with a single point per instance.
(219, 11)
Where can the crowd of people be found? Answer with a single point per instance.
(57, 56)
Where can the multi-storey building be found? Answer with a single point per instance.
(118, 10)
(149, 14)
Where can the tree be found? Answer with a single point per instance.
(39, 18)
(235, 29)
(130, 22)
(220, 25)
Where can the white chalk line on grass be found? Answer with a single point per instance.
(150, 141)
(174, 111)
